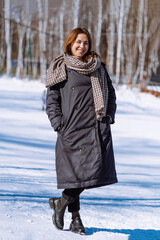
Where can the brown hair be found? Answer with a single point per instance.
(72, 37)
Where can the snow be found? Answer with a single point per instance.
(128, 210)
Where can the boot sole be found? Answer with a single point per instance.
(52, 206)
(76, 231)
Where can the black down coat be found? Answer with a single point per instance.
(84, 151)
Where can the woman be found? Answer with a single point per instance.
(80, 106)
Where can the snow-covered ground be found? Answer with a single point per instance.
(129, 210)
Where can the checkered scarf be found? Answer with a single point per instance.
(56, 73)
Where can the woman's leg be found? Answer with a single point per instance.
(72, 195)
(69, 196)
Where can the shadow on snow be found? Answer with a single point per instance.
(134, 234)
(135, 146)
(26, 142)
(43, 196)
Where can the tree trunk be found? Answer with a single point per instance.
(2, 48)
(21, 32)
(139, 36)
(27, 59)
(111, 38)
(153, 53)
(50, 42)
(8, 35)
(119, 46)
(99, 27)
(61, 27)
(19, 71)
(129, 56)
(145, 40)
(76, 13)
(127, 43)
(43, 18)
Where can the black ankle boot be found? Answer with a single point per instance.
(76, 225)
(58, 205)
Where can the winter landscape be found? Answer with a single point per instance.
(126, 34)
(128, 210)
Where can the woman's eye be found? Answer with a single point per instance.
(79, 42)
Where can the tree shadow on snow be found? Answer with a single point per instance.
(129, 108)
(27, 142)
(123, 202)
(133, 234)
(142, 147)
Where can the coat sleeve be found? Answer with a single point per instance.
(53, 106)
(111, 109)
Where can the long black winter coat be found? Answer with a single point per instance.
(84, 151)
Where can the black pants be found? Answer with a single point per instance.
(72, 195)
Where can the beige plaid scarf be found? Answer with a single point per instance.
(56, 73)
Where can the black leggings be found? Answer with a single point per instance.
(72, 195)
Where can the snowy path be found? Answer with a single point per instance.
(129, 210)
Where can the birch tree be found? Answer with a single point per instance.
(43, 19)
(89, 21)
(21, 32)
(153, 55)
(154, 36)
(27, 59)
(127, 41)
(50, 42)
(35, 54)
(7, 35)
(139, 36)
(54, 36)
(128, 32)
(76, 7)
(119, 44)
(2, 46)
(61, 27)
(145, 40)
(111, 35)
(99, 27)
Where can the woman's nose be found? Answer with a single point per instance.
(82, 45)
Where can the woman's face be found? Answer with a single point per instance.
(80, 46)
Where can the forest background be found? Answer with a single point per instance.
(125, 33)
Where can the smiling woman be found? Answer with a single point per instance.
(80, 106)
(80, 47)
(78, 43)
